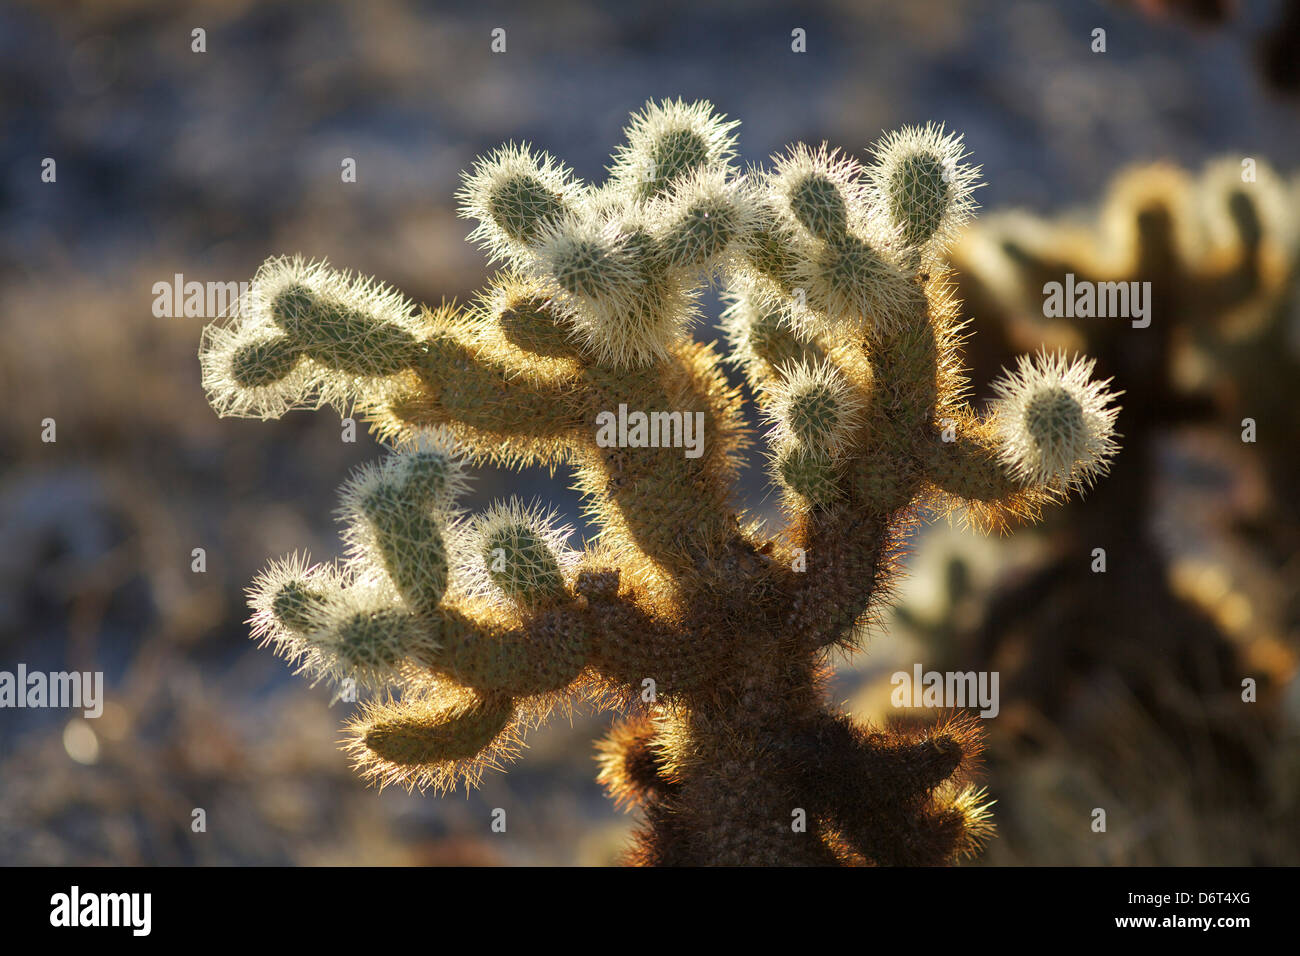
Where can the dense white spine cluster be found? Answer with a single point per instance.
(622, 262)
(812, 404)
(514, 193)
(922, 186)
(306, 335)
(368, 618)
(517, 554)
(1056, 423)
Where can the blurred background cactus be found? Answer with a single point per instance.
(175, 162)
(1189, 606)
(709, 628)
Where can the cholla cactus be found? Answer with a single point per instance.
(712, 631)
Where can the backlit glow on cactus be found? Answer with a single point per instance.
(1056, 423)
(813, 406)
(288, 602)
(705, 217)
(306, 335)
(839, 315)
(514, 194)
(669, 141)
(818, 189)
(518, 553)
(923, 186)
(765, 329)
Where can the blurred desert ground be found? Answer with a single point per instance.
(171, 162)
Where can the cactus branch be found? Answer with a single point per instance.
(706, 627)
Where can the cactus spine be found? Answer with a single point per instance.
(840, 318)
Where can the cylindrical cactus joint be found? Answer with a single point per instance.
(589, 261)
(814, 417)
(515, 194)
(264, 360)
(529, 320)
(772, 250)
(813, 407)
(522, 205)
(669, 141)
(290, 600)
(821, 189)
(428, 469)
(367, 634)
(438, 736)
(623, 303)
(334, 625)
(675, 153)
(762, 330)
(411, 736)
(774, 339)
(341, 336)
(298, 605)
(852, 281)
(519, 549)
(408, 540)
(817, 204)
(292, 309)
(703, 218)
(1055, 423)
(811, 475)
(369, 641)
(520, 563)
(922, 184)
(918, 196)
(391, 531)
